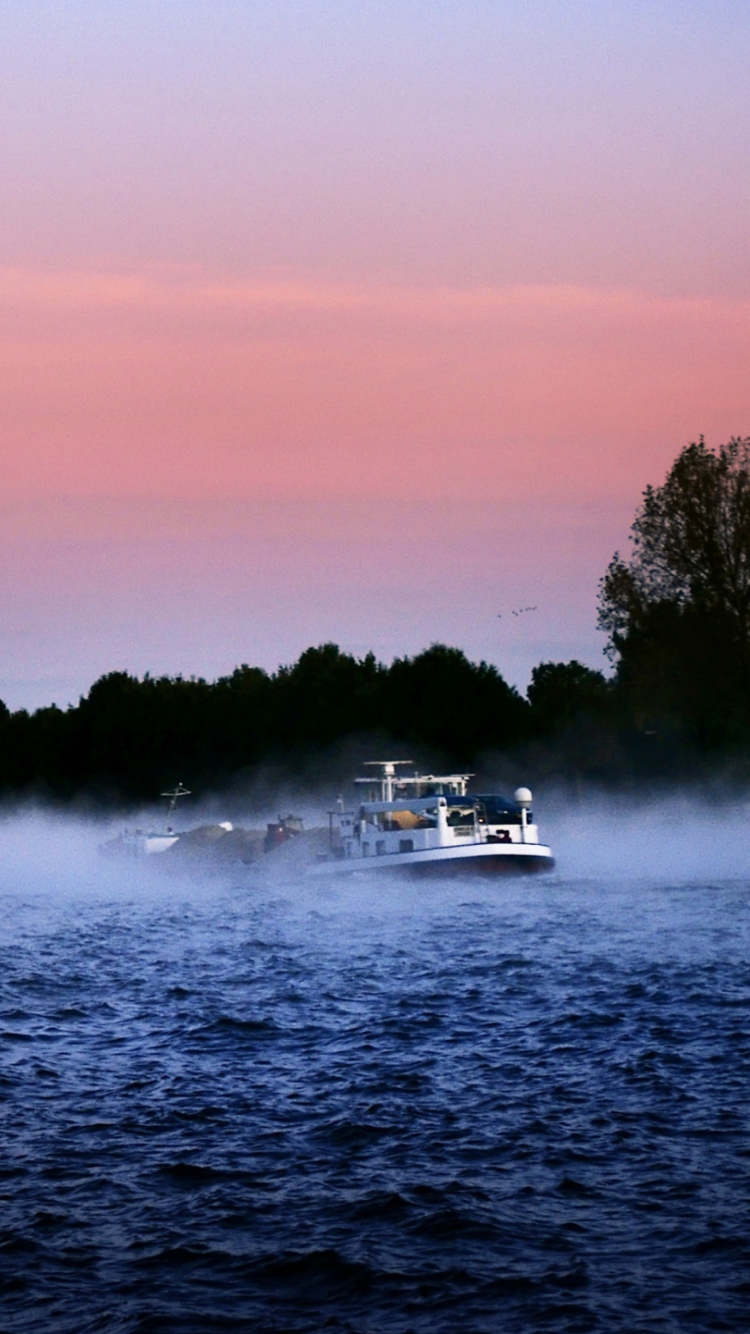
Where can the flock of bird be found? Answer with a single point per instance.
(519, 612)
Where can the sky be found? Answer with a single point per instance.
(356, 322)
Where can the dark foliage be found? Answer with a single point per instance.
(677, 612)
(576, 725)
(564, 693)
(129, 737)
(455, 707)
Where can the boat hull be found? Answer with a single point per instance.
(485, 859)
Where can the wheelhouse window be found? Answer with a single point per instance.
(395, 821)
(492, 808)
(461, 814)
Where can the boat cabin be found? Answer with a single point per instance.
(425, 812)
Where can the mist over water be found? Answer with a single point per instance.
(678, 837)
(237, 1102)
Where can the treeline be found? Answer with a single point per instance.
(676, 611)
(129, 737)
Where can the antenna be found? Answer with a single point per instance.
(387, 776)
(174, 796)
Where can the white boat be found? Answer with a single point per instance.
(431, 823)
(143, 843)
(139, 843)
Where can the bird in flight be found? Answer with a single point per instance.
(519, 612)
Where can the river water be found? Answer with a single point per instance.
(515, 1106)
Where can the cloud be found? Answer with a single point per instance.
(184, 288)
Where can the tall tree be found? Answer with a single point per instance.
(677, 611)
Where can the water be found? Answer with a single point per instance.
(467, 1107)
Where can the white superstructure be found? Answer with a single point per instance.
(140, 843)
(431, 822)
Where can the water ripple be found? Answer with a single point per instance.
(453, 1109)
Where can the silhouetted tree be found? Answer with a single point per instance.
(562, 693)
(677, 611)
(324, 696)
(457, 707)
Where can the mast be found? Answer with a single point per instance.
(387, 776)
(174, 796)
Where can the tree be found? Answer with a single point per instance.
(562, 693)
(678, 610)
(456, 707)
(324, 696)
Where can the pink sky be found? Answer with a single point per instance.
(366, 328)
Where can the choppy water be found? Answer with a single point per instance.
(465, 1107)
